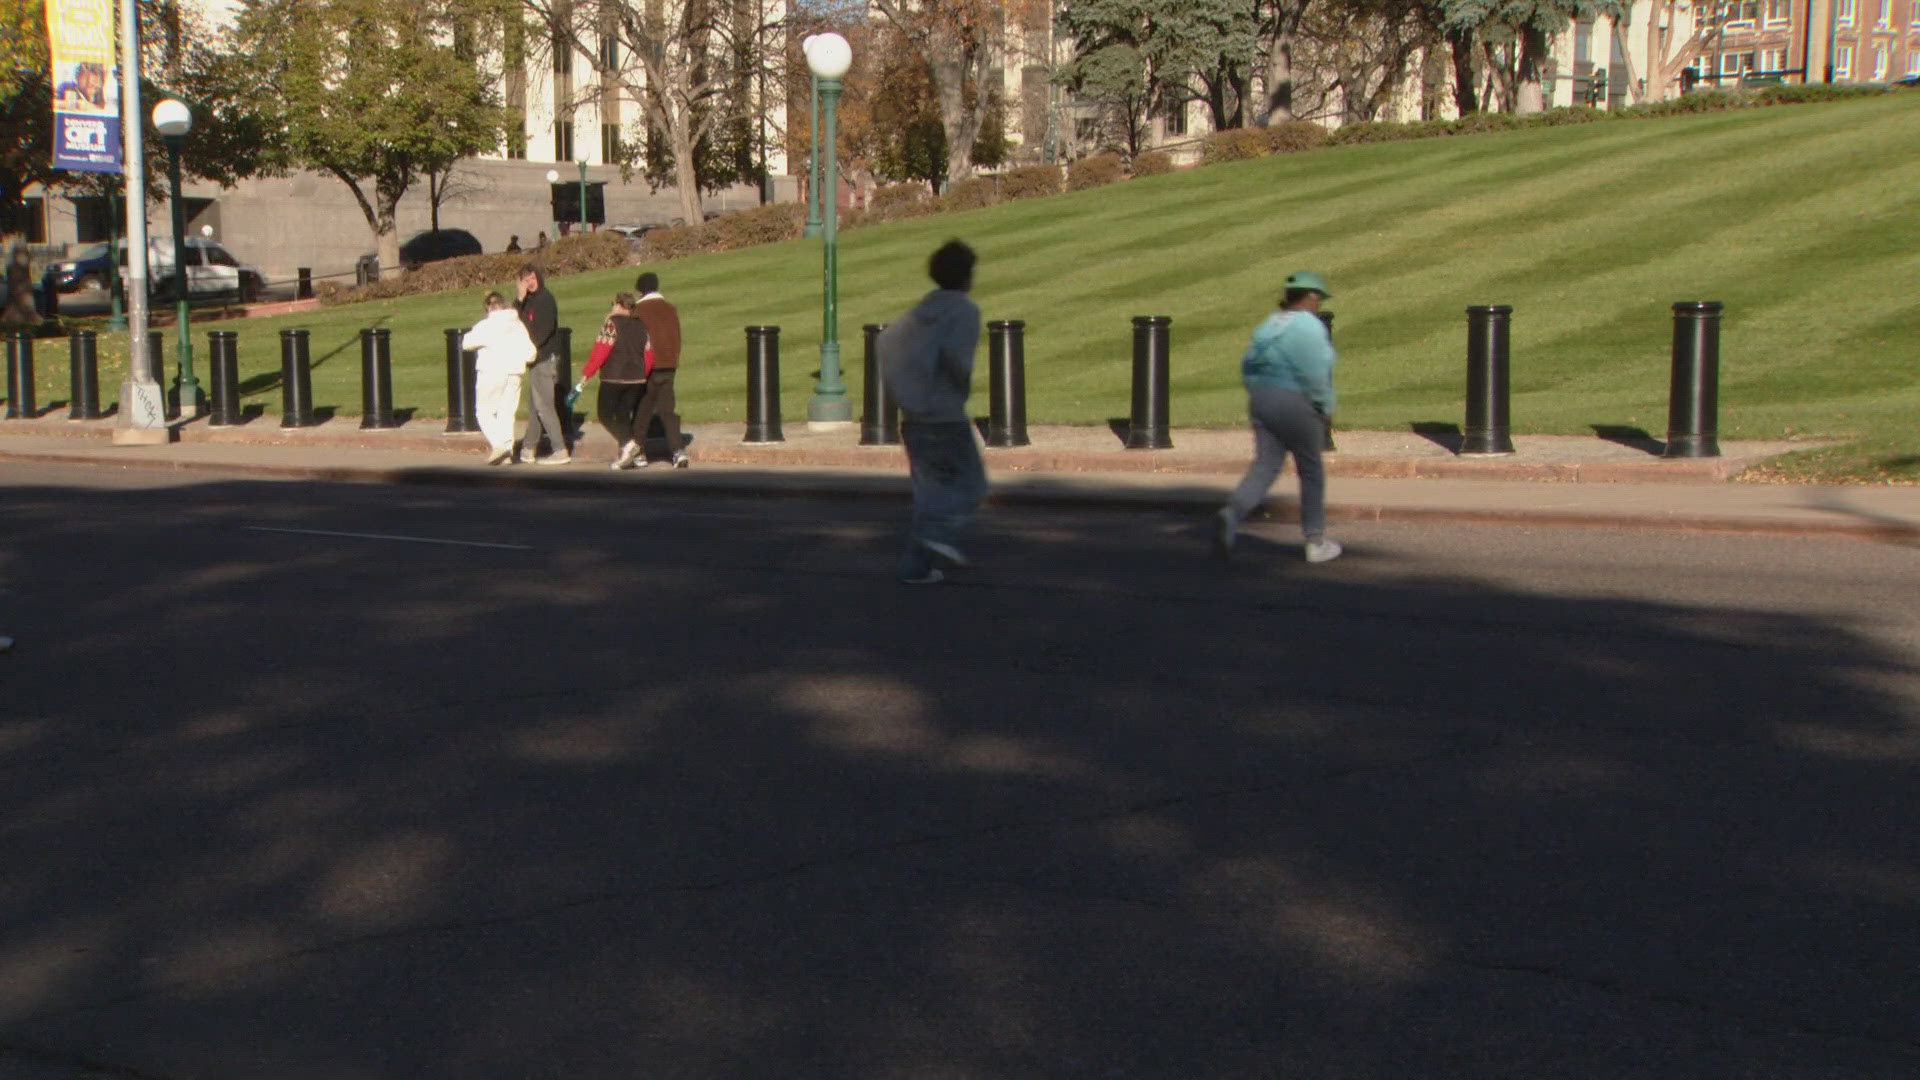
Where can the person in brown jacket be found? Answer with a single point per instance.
(663, 347)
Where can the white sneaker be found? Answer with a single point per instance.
(499, 456)
(630, 454)
(555, 459)
(953, 555)
(1322, 551)
(681, 460)
(1225, 527)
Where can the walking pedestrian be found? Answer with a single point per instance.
(1288, 372)
(663, 362)
(619, 357)
(542, 317)
(505, 350)
(513, 244)
(926, 358)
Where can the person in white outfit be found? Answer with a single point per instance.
(505, 351)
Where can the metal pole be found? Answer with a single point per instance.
(1693, 403)
(830, 404)
(186, 388)
(763, 385)
(20, 399)
(1149, 428)
(461, 414)
(223, 364)
(813, 166)
(1007, 383)
(296, 380)
(116, 289)
(143, 409)
(879, 416)
(83, 401)
(1487, 430)
(583, 197)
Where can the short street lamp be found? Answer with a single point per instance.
(173, 120)
(829, 57)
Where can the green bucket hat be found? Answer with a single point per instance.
(1307, 279)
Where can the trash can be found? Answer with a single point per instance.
(366, 269)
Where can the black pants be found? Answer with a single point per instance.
(619, 402)
(658, 401)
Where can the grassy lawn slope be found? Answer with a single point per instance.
(1805, 220)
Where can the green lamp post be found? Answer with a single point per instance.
(813, 151)
(829, 57)
(173, 120)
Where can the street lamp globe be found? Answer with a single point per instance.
(172, 118)
(553, 176)
(828, 55)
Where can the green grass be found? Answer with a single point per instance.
(1804, 220)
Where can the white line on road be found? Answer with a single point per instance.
(384, 536)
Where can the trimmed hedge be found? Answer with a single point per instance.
(567, 255)
(1097, 171)
(969, 194)
(1029, 181)
(1153, 163)
(1293, 136)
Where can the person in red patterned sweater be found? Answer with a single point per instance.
(622, 357)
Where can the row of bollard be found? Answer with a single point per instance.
(1691, 422)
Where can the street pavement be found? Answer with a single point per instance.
(348, 781)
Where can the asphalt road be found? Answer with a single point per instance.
(688, 787)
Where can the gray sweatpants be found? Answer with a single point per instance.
(1284, 420)
(543, 414)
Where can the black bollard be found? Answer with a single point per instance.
(303, 290)
(763, 385)
(462, 415)
(1148, 429)
(1487, 425)
(1007, 383)
(1693, 404)
(376, 378)
(1326, 320)
(20, 399)
(223, 361)
(879, 416)
(296, 380)
(83, 400)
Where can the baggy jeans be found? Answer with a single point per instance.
(543, 413)
(949, 481)
(1284, 420)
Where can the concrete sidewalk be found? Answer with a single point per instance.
(1378, 476)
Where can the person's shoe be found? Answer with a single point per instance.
(1322, 551)
(629, 454)
(556, 459)
(499, 457)
(1225, 527)
(947, 553)
(681, 460)
(933, 576)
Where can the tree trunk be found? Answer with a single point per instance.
(386, 232)
(682, 138)
(949, 57)
(1279, 107)
(1460, 44)
(19, 310)
(1528, 96)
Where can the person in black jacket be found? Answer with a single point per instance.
(542, 316)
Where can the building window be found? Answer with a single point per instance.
(1730, 63)
(1086, 129)
(1880, 63)
(36, 208)
(1885, 22)
(1843, 62)
(1778, 12)
(1741, 13)
(1913, 63)
(563, 140)
(1845, 15)
(1176, 120)
(562, 54)
(609, 143)
(609, 53)
(1914, 19)
(1774, 61)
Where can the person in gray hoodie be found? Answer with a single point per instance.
(926, 358)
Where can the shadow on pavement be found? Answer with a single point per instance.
(714, 798)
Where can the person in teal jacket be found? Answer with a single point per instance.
(1288, 372)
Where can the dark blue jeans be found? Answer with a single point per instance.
(1284, 422)
(949, 480)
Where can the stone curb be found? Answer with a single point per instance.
(1079, 491)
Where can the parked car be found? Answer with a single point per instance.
(91, 269)
(211, 271)
(635, 232)
(436, 244)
